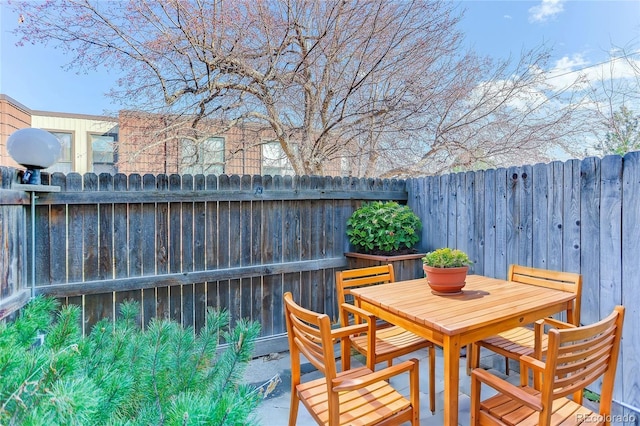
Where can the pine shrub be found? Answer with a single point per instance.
(121, 375)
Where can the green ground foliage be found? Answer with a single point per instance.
(120, 375)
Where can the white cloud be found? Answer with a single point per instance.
(566, 63)
(566, 70)
(545, 10)
(508, 17)
(617, 67)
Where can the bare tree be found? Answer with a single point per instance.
(383, 84)
(499, 114)
(615, 99)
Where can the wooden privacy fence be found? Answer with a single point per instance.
(578, 216)
(179, 244)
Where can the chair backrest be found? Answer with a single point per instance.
(565, 281)
(309, 334)
(361, 277)
(577, 357)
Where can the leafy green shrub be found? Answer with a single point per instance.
(122, 375)
(446, 258)
(383, 228)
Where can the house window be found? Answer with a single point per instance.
(275, 161)
(64, 162)
(203, 157)
(103, 153)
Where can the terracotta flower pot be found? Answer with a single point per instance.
(446, 280)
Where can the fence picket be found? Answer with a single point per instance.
(571, 214)
(163, 309)
(186, 254)
(477, 233)
(540, 216)
(556, 217)
(98, 229)
(627, 388)
(610, 223)
(199, 254)
(148, 249)
(128, 218)
(500, 256)
(590, 235)
(175, 249)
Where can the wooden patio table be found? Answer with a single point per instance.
(486, 306)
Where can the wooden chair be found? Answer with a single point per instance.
(575, 358)
(520, 340)
(388, 341)
(356, 396)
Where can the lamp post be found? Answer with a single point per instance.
(35, 149)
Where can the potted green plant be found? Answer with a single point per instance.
(446, 269)
(383, 232)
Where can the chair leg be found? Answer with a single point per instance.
(506, 365)
(473, 357)
(345, 354)
(293, 408)
(432, 379)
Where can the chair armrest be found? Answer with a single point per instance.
(556, 323)
(339, 333)
(359, 312)
(482, 376)
(532, 363)
(539, 325)
(539, 330)
(341, 385)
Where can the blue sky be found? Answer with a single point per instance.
(581, 34)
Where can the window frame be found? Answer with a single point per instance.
(218, 155)
(90, 160)
(282, 169)
(71, 151)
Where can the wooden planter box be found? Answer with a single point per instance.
(405, 267)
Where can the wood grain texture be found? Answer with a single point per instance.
(590, 235)
(627, 387)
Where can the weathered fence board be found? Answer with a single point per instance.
(610, 238)
(14, 287)
(148, 249)
(500, 259)
(571, 212)
(480, 222)
(590, 236)
(540, 215)
(627, 387)
(490, 230)
(513, 204)
(556, 219)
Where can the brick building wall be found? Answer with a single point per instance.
(13, 116)
(149, 143)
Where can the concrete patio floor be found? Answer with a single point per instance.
(274, 409)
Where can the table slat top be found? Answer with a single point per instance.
(484, 301)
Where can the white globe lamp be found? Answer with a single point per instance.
(35, 149)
